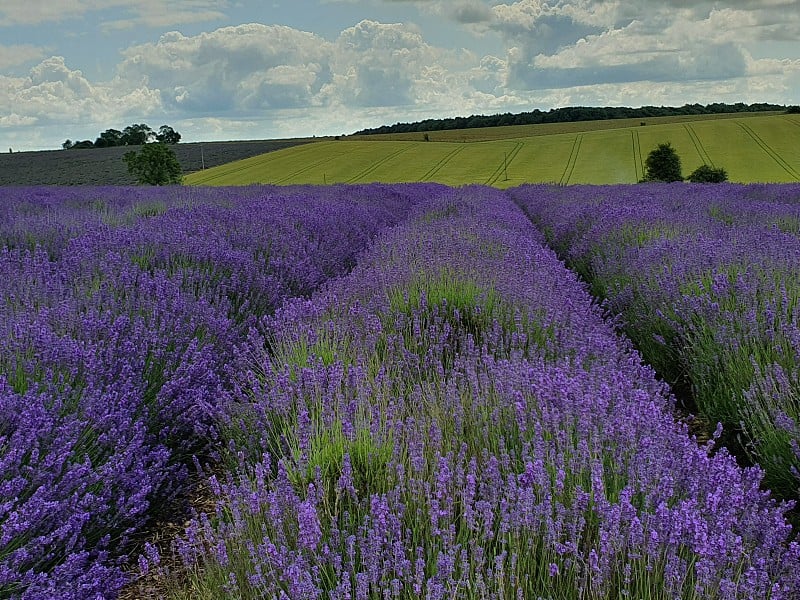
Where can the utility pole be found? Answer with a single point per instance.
(202, 158)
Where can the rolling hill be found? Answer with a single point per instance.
(104, 166)
(752, 147)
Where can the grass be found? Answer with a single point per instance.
(752, 148)
(616, 146)
(545, 161)
(476, 163)
(756, 151)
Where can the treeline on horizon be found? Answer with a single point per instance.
(571, 114)
(136, 134)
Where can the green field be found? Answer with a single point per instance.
(752, 148)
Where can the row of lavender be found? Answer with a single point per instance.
(707, 281)
(454, 419)
(121, 313)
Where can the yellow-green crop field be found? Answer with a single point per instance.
(752, 148)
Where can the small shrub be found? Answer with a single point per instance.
(708, 174)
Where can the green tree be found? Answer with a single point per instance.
(663, 164)
(168, 135)
(110, 137)
(708, 174)
(154, 164)
(67, 144)
(137, 134)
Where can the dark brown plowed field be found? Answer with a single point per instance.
(104, 166)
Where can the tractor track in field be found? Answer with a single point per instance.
(766, 148)
(305, 169)
(698, 145)
(638, 163)
(438, 166)
(507, 160)
(792, 121)
(227, 172)
(380, 162)
(573, 159)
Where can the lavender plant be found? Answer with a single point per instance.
(122, 312)
(709, 291)
(454, 419)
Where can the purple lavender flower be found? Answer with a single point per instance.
(309, 534)
(124, 313)
(492, 426)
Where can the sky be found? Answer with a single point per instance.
(228, 70)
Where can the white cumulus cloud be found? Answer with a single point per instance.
(246, 67)
(53, 93)
(266, 80)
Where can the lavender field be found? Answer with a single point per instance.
(124, 314)
(707, 281)
(396, 392)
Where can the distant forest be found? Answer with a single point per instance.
(570, 114)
